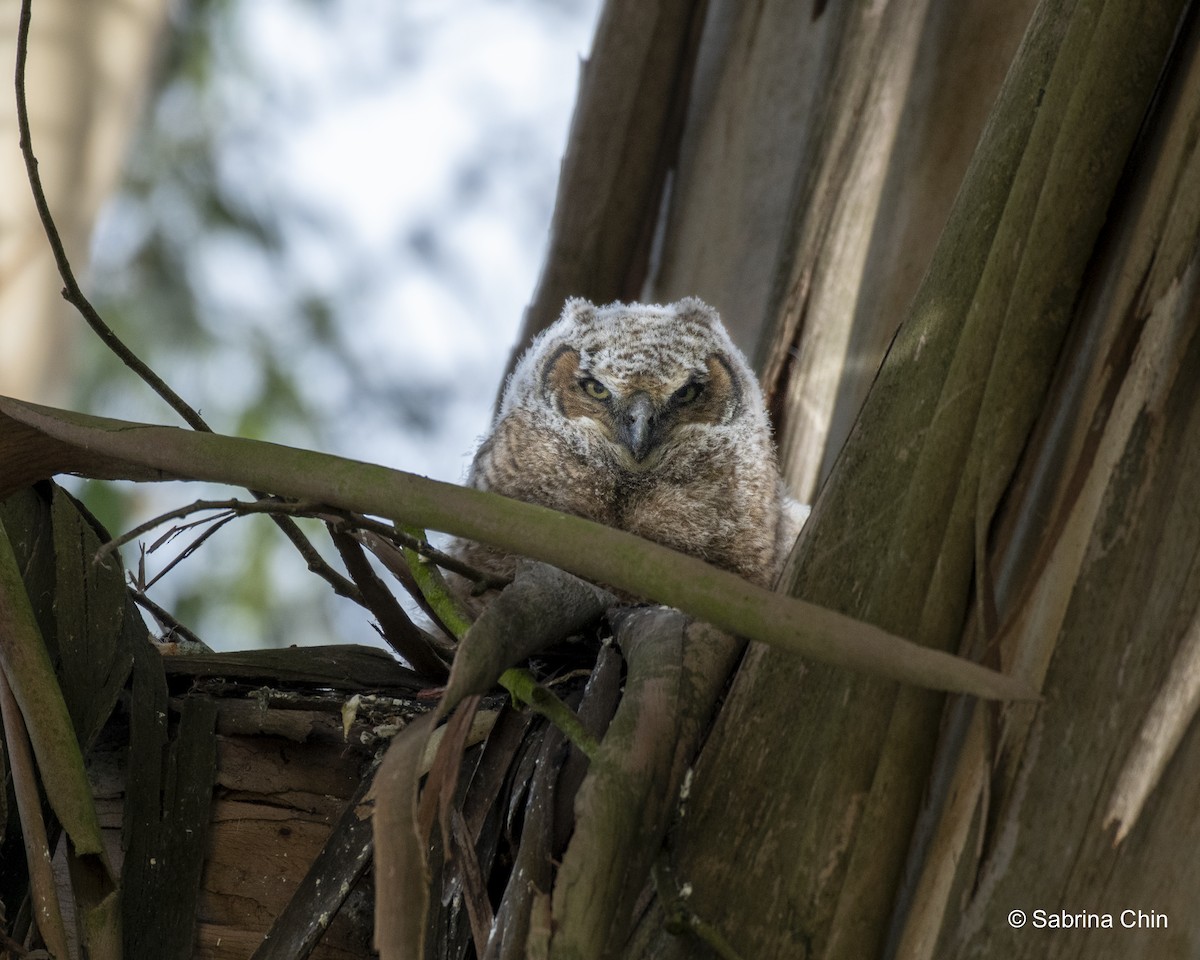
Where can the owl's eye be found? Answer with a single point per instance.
(689, 392)
(594, 388)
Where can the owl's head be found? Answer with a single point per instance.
(638, 378)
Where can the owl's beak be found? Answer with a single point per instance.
(635, 426)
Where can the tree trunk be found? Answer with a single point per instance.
(973, 506)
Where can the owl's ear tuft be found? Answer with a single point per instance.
(579, 310)
(693, 308)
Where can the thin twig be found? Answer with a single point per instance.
(71, 291)
(401, 537)
(235, 507)
(313, 510)
(680, 919)
(188, 551)
(166, 620)
(74, 295)
(403, 636)
(420, 649)
(392, 558)
(341, 585)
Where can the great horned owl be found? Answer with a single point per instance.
(646, 418)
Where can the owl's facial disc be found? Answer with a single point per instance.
(639, 413)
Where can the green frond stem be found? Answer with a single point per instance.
(448, 608)
(523, 688)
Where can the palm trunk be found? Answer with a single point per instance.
(1015, 483)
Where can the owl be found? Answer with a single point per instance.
(646, 418)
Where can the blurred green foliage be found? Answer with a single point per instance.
(178, 206)
(271, 310)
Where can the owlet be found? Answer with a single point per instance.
(646, 418)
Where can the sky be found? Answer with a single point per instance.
(409, 155)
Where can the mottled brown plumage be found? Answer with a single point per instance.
(646, 418)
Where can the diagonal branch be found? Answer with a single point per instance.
(36, 442)
(71, 291)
